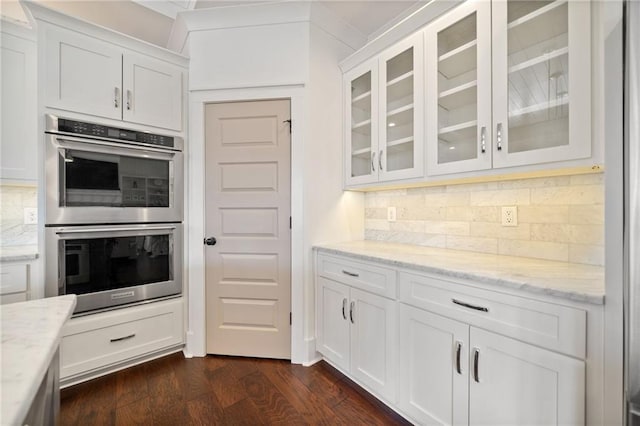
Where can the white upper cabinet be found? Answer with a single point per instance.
(384, 115)
(508, 83)
(19, 133)
(90, 76)
(541, 81)
(458, 74)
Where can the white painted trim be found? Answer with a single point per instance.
(196, 336)
(166, 8)
(336, 26)
(37, 11)
(17, 29)
(407, 26)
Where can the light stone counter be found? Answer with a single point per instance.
(582, 283)
(18, 253)
(31, 334)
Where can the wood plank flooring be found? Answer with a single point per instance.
(218, 390)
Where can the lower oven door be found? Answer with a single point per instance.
(114, 265)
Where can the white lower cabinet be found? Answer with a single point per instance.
(453, 373)
(357, 332)
(15, 282)
(99, 342)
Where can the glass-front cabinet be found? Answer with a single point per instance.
(384, 127)
(508, 84)
(541, 81)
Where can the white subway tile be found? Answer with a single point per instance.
(568, 195)
(555, 232)
(536, 249)
(543, 214)
(587, 234)
(589, 254)
(478, 244)
(446, 227)
(586, 214)
(504, 197)
(496, 230)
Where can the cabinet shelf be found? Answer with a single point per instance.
(362, 127)
(361, 152)
(397, 111)
(398, 79)
(464, 94)
(535, 14)
(539, 59)
(362, 101)
(458, 132)
(398, 142)
(459, 60)
(539, 107)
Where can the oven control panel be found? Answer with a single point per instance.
(101, 131)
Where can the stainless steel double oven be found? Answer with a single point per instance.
(114, 209)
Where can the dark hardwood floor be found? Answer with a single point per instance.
(218, 390)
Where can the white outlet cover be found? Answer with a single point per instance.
(510, 216)
(391, 214)
(30, 216)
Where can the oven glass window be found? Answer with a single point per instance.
(98, 264)
(97, 179)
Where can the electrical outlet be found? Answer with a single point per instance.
(391, 214)
(510, 216)
(30, 216)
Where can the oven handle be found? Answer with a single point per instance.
(70, 142)
(62, 271)
(85, 230)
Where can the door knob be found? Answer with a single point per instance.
(211, 241)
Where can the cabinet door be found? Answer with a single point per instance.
(82, 74)
(152, 92)
(332, 321)
(517, 384)
(374, 342)
(458, 87)
(433, 368)
(401, 88)
(361, 124)
(541, 81)
(19, 130)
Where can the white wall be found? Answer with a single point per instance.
(297, 60)
(256, 56)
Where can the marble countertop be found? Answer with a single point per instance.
(582, 283)
(31, 334)
(18, 253)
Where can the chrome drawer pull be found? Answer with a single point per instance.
(351, 306)
(351, 274)
(458, 350)
(470, 306)
(117, 339)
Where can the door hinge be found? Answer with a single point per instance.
(289, 122)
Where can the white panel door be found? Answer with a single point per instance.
(248, 271)
(333, 321)
(541, 81)
(401, 99)
(513, 383)
(434, 370)
(82, 74)
(374, 342)
(19, 130)
(152, 92)
(458, 90)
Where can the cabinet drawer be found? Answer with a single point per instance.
(100, 340)
(14, 278)
(366, 276)
(13, 298)
(552, 326)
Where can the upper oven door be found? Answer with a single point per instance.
(94, 181)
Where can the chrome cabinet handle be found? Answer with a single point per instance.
(118, 339)
(499, 136)
(469, 305)
(351, 274)
(380, 160)
(344, 308)
(483, 139)
(476, 357)
(116, 97)
(458, 351)
(128, 99)
(373, 161)
(351, 306)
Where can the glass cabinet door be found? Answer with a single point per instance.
(361, 124)
(401, 144)
(541, 81)
(458, 87)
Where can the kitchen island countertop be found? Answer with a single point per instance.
(577, 282)
(31, 334)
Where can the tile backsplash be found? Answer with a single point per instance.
(559, 218)
(13, 200)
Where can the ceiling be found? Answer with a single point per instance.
(152, 20)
